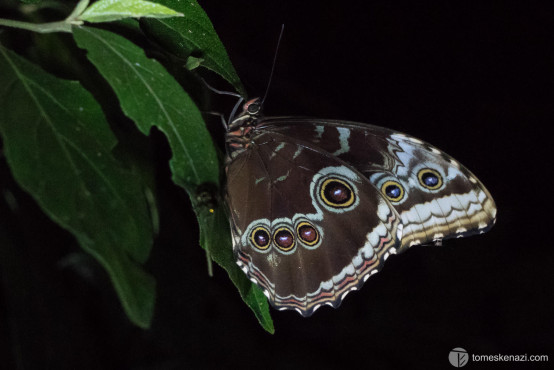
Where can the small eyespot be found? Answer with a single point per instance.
(393, 191)
(260, 238)
(284, 239)
(307, 233)
(337, 193)
(430, 179)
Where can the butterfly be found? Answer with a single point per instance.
(317, 206)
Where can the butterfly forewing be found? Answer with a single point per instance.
(438, 198)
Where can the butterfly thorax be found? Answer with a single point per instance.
(240, 129)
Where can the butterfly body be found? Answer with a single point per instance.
(316, 206)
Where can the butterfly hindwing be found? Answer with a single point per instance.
(307, 227)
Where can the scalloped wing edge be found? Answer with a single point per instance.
(383, 241)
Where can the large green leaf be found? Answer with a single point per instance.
(193, 35)
(58, 145)
(150, 96)
(109, 10)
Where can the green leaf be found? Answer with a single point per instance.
(112, 10)
(214, 237)
(194, 35)
(150, 96)
(58, 146)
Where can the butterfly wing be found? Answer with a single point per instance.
(437, 198)
(307, 227)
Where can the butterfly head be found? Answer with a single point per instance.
(251, 111)
(240, 128)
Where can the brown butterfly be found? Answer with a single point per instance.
(317, 206)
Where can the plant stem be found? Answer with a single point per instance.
(60, 26)
(210, 266)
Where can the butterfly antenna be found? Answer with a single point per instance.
(273, 65)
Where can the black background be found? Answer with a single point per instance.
(473, 79)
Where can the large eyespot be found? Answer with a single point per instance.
(260, 238)
(284, 239)
(337, 193)
(307, 233)
(392, 190)
(430, 179)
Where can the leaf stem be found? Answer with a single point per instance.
(209, 261)
(59, 26)
(79, 9)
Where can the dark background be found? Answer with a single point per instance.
(474, 80)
